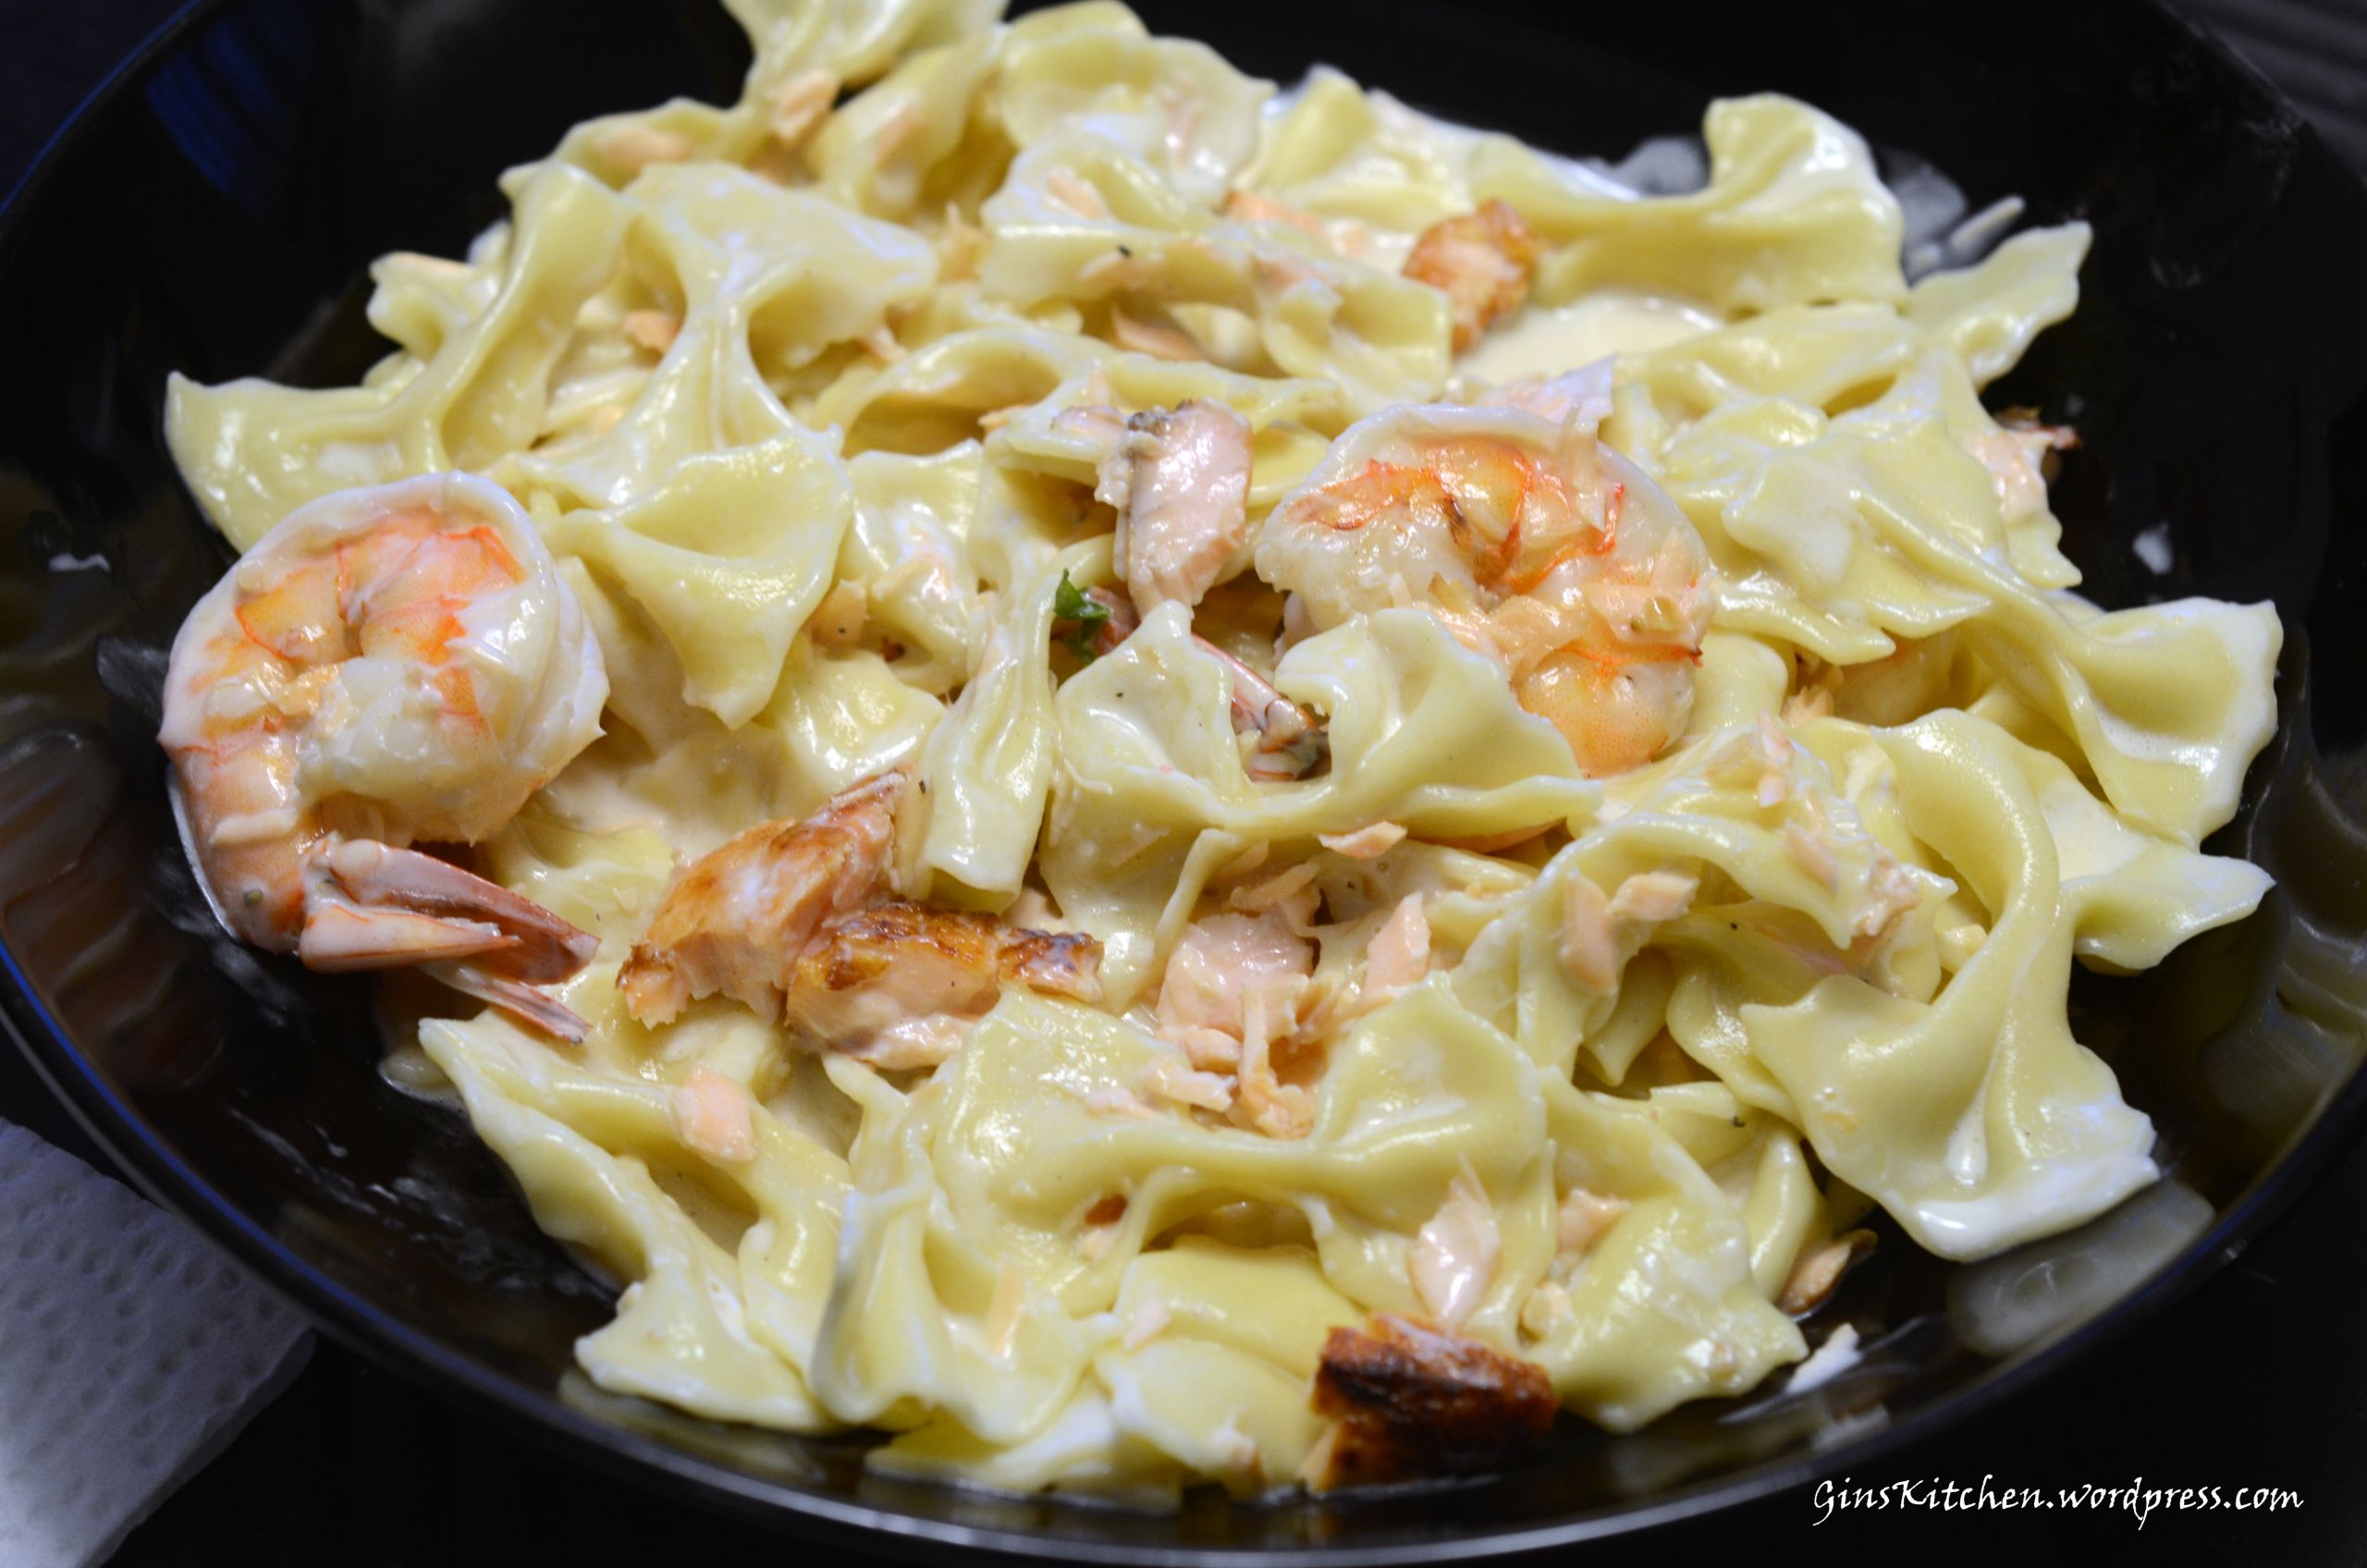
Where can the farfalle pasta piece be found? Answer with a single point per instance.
(1083, 218)
(1623, 1355)
(1819, 356)
(1359, 169)
(1175, 103)
(1741, 815)
(946, 392)
(906, 560)
(1204, 1370)
(744, 280)
(855, 41)
(1792, 215)
(1841, 536)
(840, 717)
(930, 1316)
(1987, 314)
(2131, 896)
(895, 149)
(585, 1146)
(252, 452)
(1152, 766)
(1975, 1118)
(728, 555)
(619, 149)
(985, 770)
(1376, 1159)
(419, 301)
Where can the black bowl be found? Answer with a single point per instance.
(214, 209)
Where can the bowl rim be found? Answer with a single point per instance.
(138, 1154)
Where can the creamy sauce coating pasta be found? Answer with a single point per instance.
(1555, 864)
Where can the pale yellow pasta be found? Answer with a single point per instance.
(814, 397)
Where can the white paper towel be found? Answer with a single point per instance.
(131, 1353)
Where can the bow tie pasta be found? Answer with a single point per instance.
(1285, 788)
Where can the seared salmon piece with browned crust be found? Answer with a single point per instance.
(793, 919)
(893, 983)
(1413, 1401)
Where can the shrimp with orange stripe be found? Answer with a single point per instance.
(1530, 541)
(388, 667)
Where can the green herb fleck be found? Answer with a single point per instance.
(1083, 617)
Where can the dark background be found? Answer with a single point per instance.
(2258, 1379)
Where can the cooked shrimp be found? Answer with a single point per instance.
(1529, 542)
(1413, 1401)
(385, 667)
(1178, 478)
(895, 983)
(792, 919)
(1483, 261)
